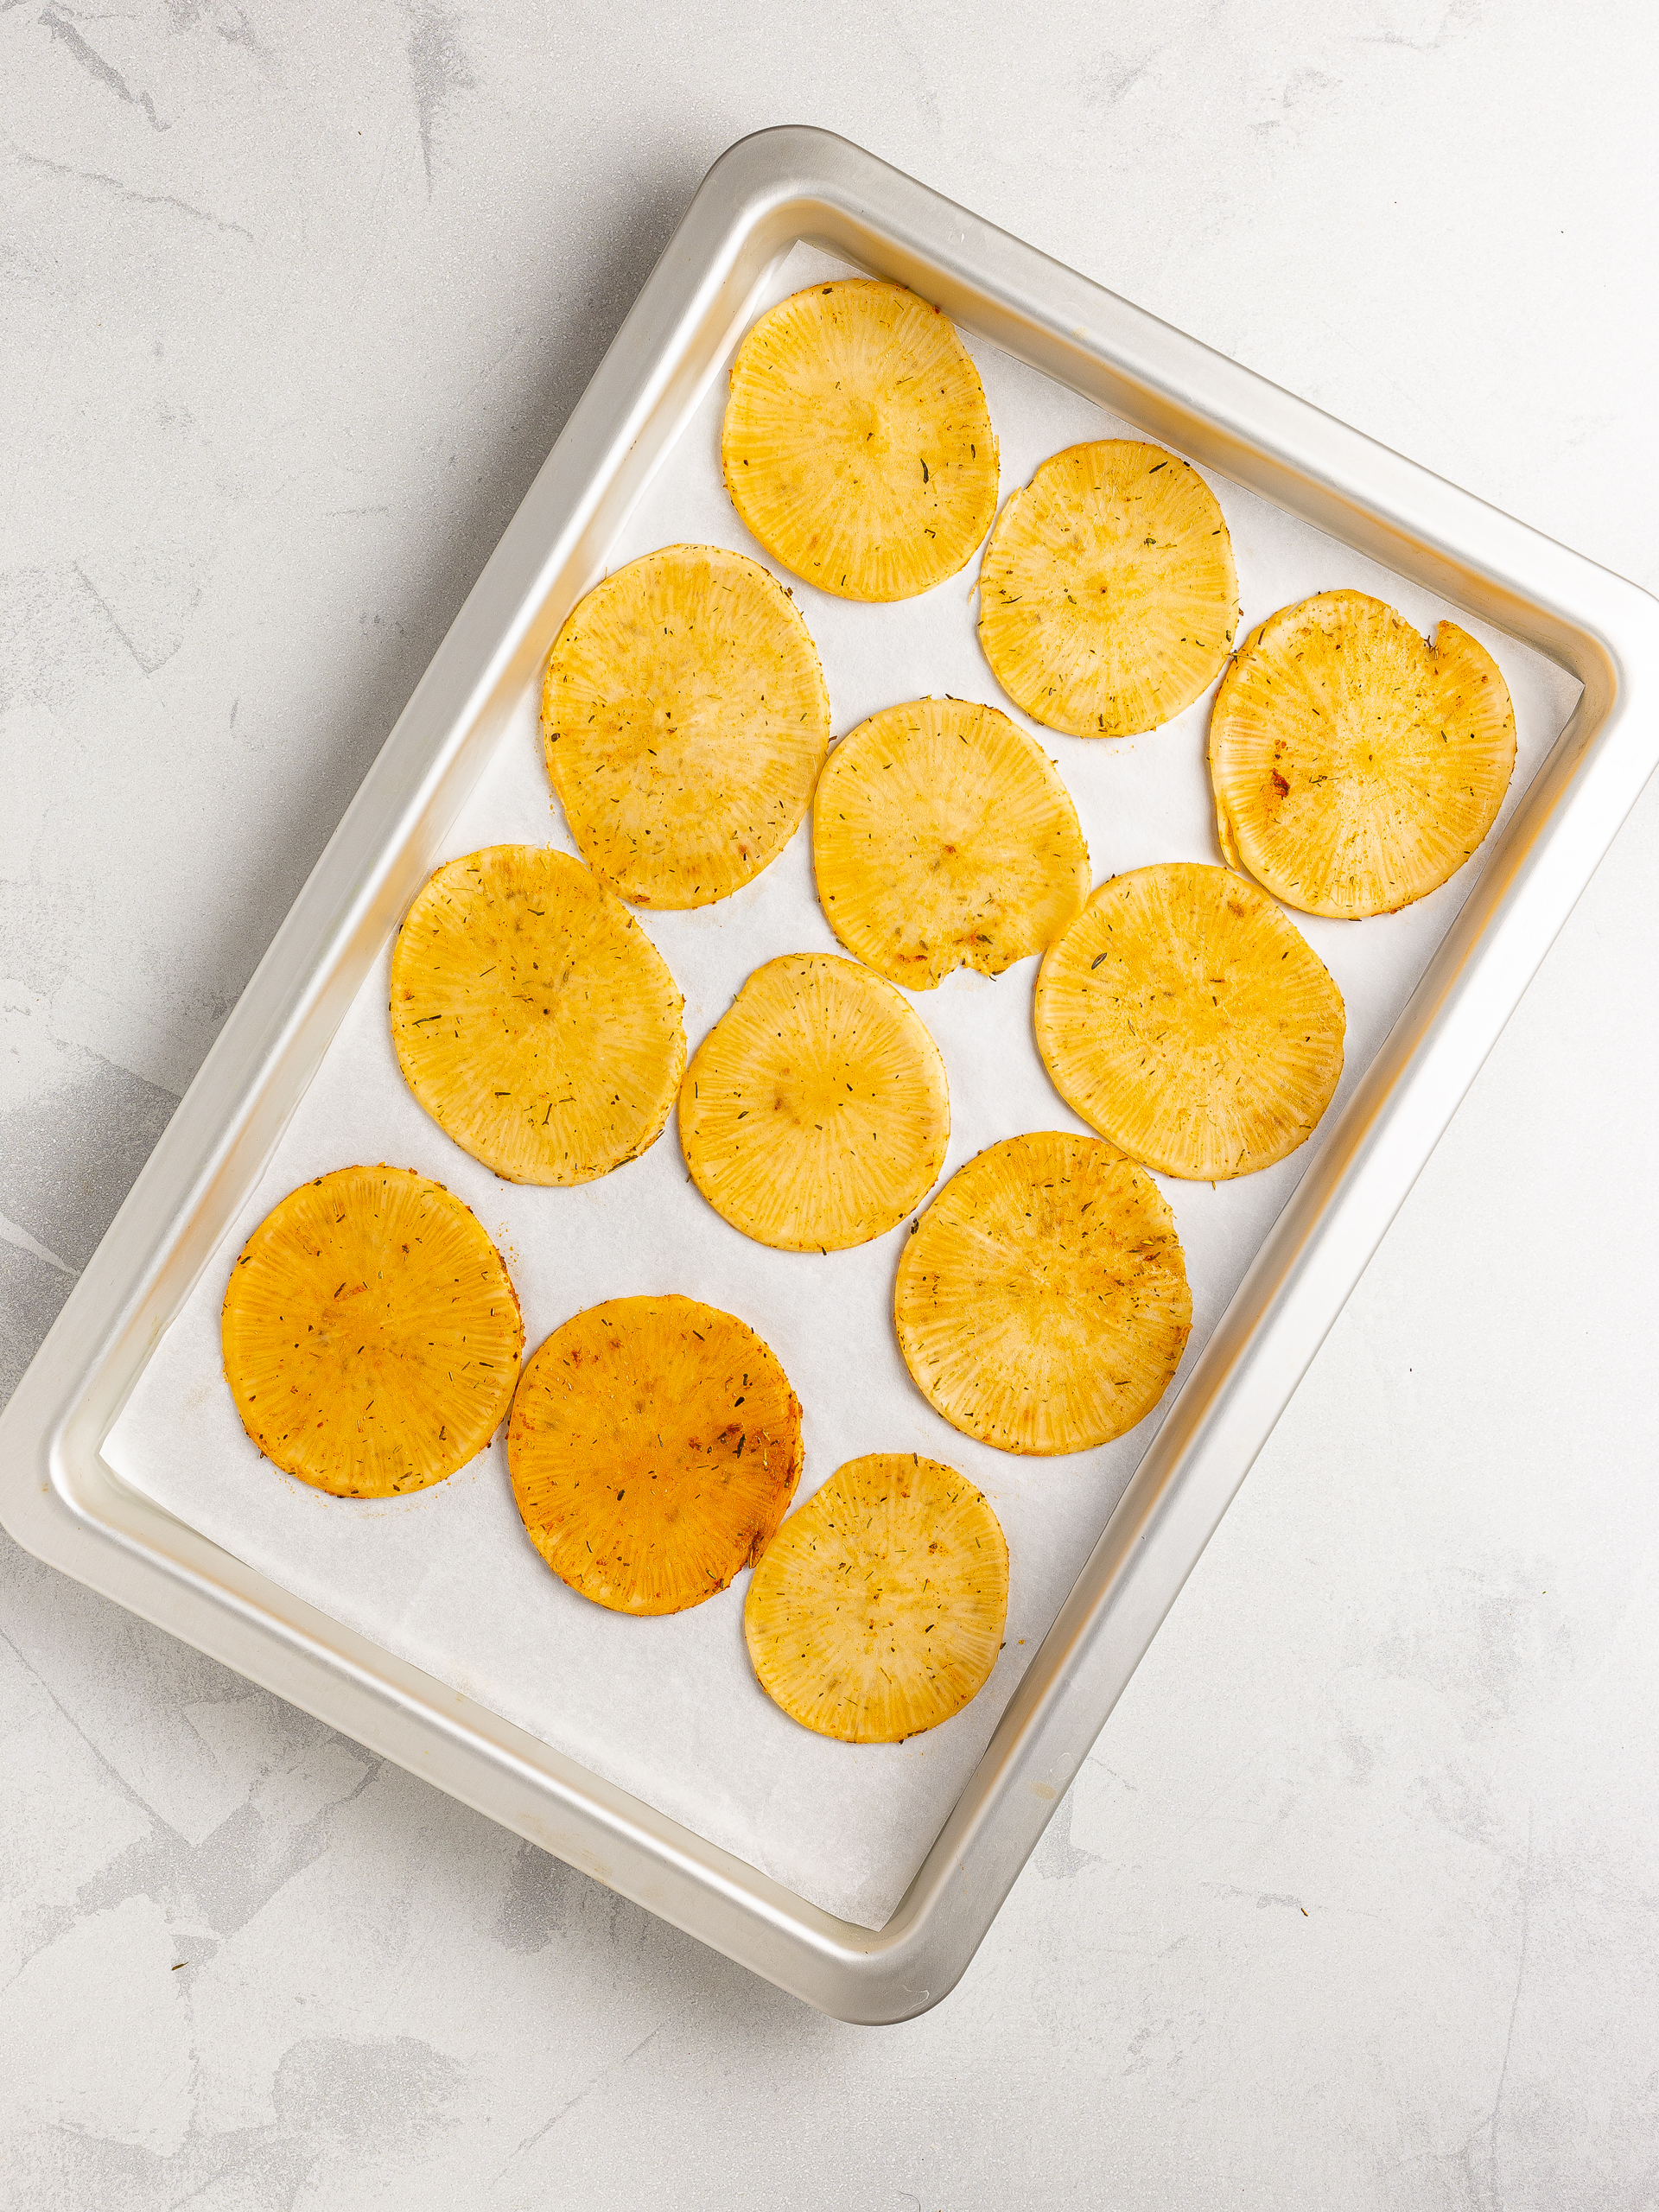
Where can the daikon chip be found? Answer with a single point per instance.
(857, 445)
(1356, 764)
(879, 1608)
(654, 1446)
(1185, 1016)
(943, 838)
(371, 1334)
(1042, 1305)
(1108, 597)
(684, 719)
(815, 1114)
(533, 1017)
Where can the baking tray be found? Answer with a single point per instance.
(59, 1496)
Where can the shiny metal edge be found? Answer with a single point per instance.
(59, 1499)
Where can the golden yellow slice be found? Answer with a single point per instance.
(684, 719)
(1356, 764)
(815, 1112)
(1185, 1016)
(1108, 597)
(857, 446)
(654, 1446)
(879, 1608)
(943, 838)
(533, 1017)
(371, 1335)
(1042, 1306)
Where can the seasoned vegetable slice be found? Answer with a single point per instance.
(943, 838)
(815, 1112)
(371, 1334)
(1185, 1016)
(684, 719)
(879, 1608)
(1356, 764)
(533, 1017)
(857, 445)
(1042, 1305)
(1108, 597)
(654, 1446)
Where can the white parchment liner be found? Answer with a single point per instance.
(669, 1708)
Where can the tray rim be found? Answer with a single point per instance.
(60, 1501)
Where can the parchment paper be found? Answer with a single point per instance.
(669, 1708)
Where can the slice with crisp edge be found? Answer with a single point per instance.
(371, 1334)
(815, 1112)
(1042, 1305)
(1356, 764)
(1185, 1016)
(943, 838)
(533, 1017)
(684, 719)
(879, 1608)
(654, 1446)
(1108, 597)
(857, 445)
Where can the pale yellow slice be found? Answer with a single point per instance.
(533, 1017)
(1042, 1306)
(879, 1608)
(684, 719)
(654, 1446)
(1356, 764)
(815, 1113)
(857, 445)
(943, 838)
(1185, 1016)
(1108, 597)
(371, 1334)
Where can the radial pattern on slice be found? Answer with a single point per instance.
(879, 1608)
(533, 1017)
(684, 718)
(1108, 597)
(815, 1114)
(1185, 1016)
(1356, 764)
(943, 838)
(654, 1446)
(857, 445)
(369, 1332)
(1042, 1306)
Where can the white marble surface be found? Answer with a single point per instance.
(1357, 1901)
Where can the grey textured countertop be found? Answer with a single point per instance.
(1355, 1903)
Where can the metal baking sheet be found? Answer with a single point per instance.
(61, 1495)
(669, 1710)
